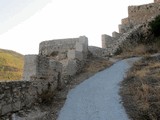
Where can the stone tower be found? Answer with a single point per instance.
(156, 1)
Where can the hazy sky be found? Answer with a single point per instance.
(25, 23)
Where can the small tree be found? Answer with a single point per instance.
(155, 26)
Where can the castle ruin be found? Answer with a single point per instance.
(65, 56)
(59, 60)
(137, 20)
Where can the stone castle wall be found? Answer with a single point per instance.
(133, 28)
(125, 21)
(57, 62)
(52, 47)
(139, 15)
(132, 36)
(61, 45)
(40, 76)
(70, 53)
(19, 95)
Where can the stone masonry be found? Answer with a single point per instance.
(69, 53)
(51, 69)
(134, 27)
(59, 60)
(139, 15)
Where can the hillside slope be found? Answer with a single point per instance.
(11, 65)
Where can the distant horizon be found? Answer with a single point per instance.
(26, 23)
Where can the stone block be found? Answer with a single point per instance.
(71, 67)
(80, 47)
(16, 106)
(124, 28)
(6, 109)
(103, 41)
(30, 66)
(55, 65)
(55, 71)
(115, 34)
(80, 56)
(84, 40)
(97, 51)
(125, 21)
(72, 54)
(107, 40)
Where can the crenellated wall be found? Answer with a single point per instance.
(59, 60)
(139, 15)
(133, 28)
(132, 36)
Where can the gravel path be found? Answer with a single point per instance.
(97, 98)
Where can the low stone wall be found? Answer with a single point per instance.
(98, 52)
(139, 15)
(116, 35)
(125, 21)
(107, 41)
(18, 95)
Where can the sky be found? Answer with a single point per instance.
(26, 23)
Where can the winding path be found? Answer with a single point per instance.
(97, 98)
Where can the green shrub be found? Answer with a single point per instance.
(118, 51)
(155, 26)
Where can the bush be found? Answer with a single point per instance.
(46, 97)
(118, 51)
(155, 26)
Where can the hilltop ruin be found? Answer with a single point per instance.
(59, 60)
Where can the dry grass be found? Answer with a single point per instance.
(95, 64)
(11, 65)
(141, 90)
(139, 50)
